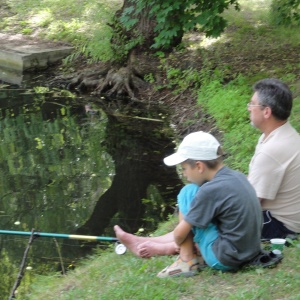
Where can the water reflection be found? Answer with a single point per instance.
(14, 76)
(72, 167)
(53, 169)
(51, 161)
(143, 190)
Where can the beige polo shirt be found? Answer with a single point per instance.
(274, 172)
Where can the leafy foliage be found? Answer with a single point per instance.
(285, 12)
(173, 18)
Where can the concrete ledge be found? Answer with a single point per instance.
(31, 58)
(19, 53)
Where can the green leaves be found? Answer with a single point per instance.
(174, 17)
(285, 12)
(126, 18)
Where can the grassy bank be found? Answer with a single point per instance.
(249, 50)
(108, 276)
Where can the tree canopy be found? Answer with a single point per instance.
(174, 17)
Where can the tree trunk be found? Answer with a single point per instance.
(125, 77)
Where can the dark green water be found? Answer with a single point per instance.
(70, 165)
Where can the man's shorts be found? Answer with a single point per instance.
(273, 228)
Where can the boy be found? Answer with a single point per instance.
(224, 218)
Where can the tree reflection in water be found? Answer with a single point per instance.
(137, 139)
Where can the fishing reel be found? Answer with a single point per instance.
(120, 249)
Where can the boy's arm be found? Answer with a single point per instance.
(181, 231)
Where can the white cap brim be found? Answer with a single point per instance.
(196, 146)
(174, 159)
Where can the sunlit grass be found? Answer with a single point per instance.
(84, 24)
(252, 21)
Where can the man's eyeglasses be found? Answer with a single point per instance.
(253, 105)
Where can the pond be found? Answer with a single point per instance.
(77, 164)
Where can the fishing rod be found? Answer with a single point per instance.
(119, 249)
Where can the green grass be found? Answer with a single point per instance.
(107, 275)
(81, 23)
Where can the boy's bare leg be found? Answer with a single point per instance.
(187, 248)
(147, 246)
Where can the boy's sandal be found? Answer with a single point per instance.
(181, 268)
(266, 259)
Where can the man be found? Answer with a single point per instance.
(274, 170)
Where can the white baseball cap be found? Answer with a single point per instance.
(198, 145)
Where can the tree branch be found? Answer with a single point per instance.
(22, 267)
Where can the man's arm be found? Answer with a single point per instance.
(181, 231)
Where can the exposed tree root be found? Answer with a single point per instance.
(109, 82)
(122, 82)
(113, 81)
